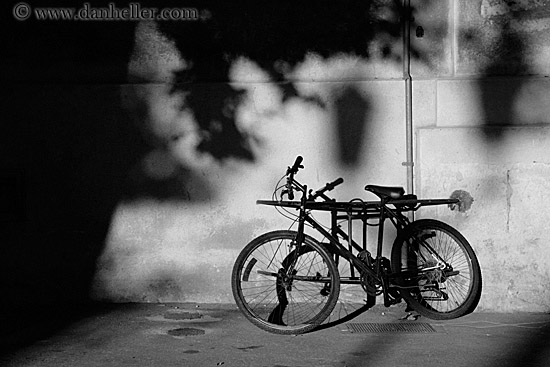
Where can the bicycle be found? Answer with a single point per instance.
(288, 282)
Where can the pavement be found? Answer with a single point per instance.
(219, 335)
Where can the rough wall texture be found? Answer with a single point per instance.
(502, 37)
(467, 140)
(506, 223)
(485, 131)
(184, 250)
(472, 146)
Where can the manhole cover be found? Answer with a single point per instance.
(395, 327)
(186, 331)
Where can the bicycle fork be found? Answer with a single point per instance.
(300, 237)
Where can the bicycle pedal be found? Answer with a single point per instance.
(391, 300)
(410, 316)
(395, 295)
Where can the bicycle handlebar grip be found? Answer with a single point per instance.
(297, 164)
(335, 183)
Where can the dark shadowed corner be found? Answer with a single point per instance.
(73, 144)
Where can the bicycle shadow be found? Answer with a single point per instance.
(345, 312)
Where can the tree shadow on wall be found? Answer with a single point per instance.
(507, 58)
(351, 113)
(503, 46)
(278, 36)
(506, 54)
(75, 143)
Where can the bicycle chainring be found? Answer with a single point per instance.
(370, 285)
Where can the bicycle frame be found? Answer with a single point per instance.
(289, 282)
(350, 211)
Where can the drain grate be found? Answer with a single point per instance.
(395, 327)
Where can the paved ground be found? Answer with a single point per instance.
(218, 335)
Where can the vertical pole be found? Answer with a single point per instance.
(409, 163)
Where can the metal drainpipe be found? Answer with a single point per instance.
(408, 94)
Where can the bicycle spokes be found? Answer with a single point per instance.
(285, 285)
(436, 270)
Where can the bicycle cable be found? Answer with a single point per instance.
(281, 210)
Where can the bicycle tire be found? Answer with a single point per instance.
(279, 305)
(426, 292)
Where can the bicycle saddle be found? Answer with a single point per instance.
(393, 192)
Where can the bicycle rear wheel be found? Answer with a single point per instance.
(284, 290)
(436, 269)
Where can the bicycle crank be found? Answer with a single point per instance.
(370, 285)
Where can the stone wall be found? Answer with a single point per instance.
(143, 146)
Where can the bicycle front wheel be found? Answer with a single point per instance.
(284, 287)
(436, 269)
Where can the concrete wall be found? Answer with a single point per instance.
(145, 145)
(184, 250)
(484, 130)
(481, 125)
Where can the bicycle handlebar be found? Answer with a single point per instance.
(328, 187)
(290, 183)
